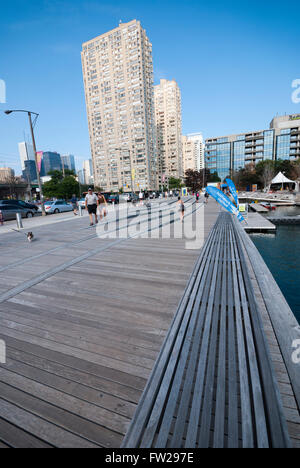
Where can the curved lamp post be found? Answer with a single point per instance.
(29, 113)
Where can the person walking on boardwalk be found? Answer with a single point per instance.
(197, 197)
(206, 197)
(181, 208)
(102, 206)
(74, 202)
(91, 203)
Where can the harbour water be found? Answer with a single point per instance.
(281, 252)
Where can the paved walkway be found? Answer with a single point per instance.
(83, 319)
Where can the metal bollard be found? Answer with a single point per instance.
(1, 218)
(80, 210)
(19, 221)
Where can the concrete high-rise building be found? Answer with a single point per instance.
(88, 173)
(193, 152)
(68, 161)
(281, 141)
(168, 121)
(6, 173)
(26, 153)
(118, 80)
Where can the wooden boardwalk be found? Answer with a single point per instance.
(83, 320)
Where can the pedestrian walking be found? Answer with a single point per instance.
(91, 203)
(141, 197)
(102, 206)
(74, 202)
(181, 208)
(206, 197)
(197, 197)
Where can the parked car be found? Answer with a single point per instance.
(58, 206)
(9, 212)
(21, 203)
(114, 199)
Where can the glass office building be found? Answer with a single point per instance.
(51, 162)
(232, 153)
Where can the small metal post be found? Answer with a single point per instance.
(80, 211)
(19, 221)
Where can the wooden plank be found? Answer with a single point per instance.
(191, 436)
(220, 409)
(233, 399)
(40, 428)
(256, 390)
(12, 436)
(247, 429)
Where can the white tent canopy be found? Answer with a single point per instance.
(281, 179)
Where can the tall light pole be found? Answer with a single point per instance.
(29, 113)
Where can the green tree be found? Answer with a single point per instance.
(174, 183)
(214, 177)
(61, 187)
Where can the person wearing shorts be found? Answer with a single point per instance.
(91, 202)
(102, 206)
(181, 208)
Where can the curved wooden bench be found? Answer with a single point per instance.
(213, 383)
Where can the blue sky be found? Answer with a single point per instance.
(234, 62)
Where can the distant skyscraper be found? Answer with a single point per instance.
(29, 173)
(193, 152)
(51, 162)
(81, 177)
(118, 81)
(26, 153)
(167, 98)
(88, 171)
(68, 161)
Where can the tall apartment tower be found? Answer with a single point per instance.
(167, 98)
(118, 81)
(193, 152)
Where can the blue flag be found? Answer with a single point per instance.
(221, 198)
(233, 191)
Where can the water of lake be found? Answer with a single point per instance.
(281, 252)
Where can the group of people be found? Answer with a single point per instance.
(95, 204)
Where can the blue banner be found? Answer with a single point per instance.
(223, 200)
(233, 191)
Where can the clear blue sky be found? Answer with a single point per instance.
(234, 62)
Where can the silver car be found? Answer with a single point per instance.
(9, 212)
(58, 206)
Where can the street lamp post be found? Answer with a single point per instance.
(29, 113)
